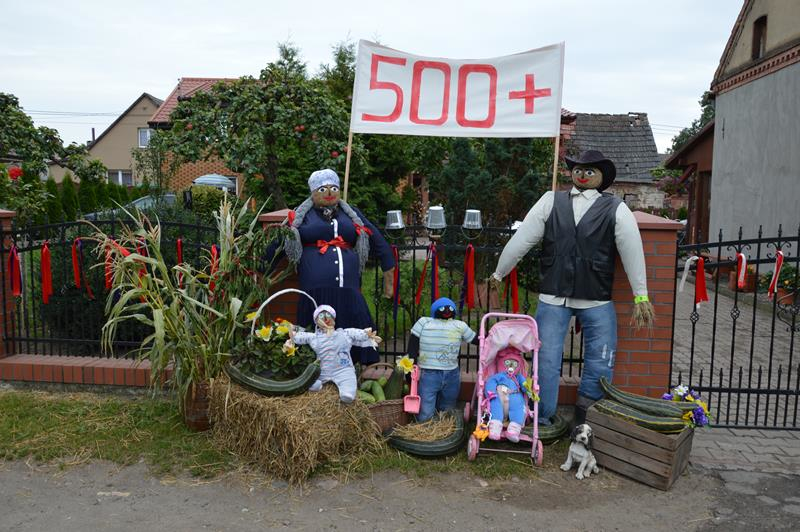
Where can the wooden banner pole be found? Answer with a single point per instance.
(347, 164)
(555, 163)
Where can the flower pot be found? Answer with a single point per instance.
(786, 296)
(195, 407)
(750, 281)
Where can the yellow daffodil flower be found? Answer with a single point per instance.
(251, 316)
(688, 416)
(264, 332)
(282, 330)
(289, 350)
(405, 364)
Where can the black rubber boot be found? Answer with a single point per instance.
(581, 406)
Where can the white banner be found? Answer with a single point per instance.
(512, 96)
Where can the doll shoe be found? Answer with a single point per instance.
(495, 429)
(512, 432)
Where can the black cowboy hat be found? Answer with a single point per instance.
(598, 160)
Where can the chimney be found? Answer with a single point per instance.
(92, 135)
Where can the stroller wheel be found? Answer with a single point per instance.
(538, 453)
(472, 448)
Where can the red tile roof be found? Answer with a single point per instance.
(186, 87)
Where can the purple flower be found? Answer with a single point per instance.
(700, 418)
(667, 397)
(695, 394)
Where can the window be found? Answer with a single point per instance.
(631, 200)
(144, 136)
(759, 37)
(121, 177)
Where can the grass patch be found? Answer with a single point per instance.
(71, 429)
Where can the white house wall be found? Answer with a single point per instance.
(756, 179)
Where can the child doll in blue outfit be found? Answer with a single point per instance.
(435, 343)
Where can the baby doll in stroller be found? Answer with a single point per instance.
(507, 395)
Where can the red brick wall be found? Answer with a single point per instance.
(643, 357)
(188, 172)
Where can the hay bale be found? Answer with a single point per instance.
(291, 436)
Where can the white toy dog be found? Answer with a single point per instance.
(580, 450)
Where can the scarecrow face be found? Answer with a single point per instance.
(325, 320)
(325, 196)
(586, 177)
(511, 366)
(445, 312)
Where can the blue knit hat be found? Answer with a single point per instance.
(321, 178)
(441, 302)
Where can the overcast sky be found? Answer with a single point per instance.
(652, 56)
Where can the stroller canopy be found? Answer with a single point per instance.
(518, 333)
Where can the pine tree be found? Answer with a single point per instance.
(124, 197)
(102, 195)
(69, 198)
(54, 210)
(86, 197)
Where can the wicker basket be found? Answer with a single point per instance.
(387, 414)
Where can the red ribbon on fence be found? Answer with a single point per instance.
(396, 281)
(512, 282)
(179, 245)
(700, 292)
(76, 265)
(430, 256)
(469, 275)
(775, 274)
(15, 272)
(214, 265)
(741, 268)
(47, 274)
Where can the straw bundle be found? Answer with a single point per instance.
(291, 436)
(436, 428)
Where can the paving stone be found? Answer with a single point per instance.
(792, 509)
(733, 446)
(700, 453)
(767, 449)
(792, 499)
(791, 460)
(767, 500)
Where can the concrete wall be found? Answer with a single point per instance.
(783, 26)
(756, 176)
(648, 196)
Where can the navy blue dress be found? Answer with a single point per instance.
(332, 278)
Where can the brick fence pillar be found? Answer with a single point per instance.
(643, 357)
(285, 306)
(7, 306)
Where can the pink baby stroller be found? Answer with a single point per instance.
(513, 337)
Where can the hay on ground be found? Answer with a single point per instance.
(436, 428)
(291, 436)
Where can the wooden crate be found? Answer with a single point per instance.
(650, 457)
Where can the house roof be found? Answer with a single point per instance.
(735, 31)
(185, 88)
(157, 102)
(674, 160)
(625, 139)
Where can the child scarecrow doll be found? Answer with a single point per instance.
(332, 347)
(582, 230)
(330, 243)
(434, 343)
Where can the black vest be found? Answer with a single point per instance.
(578, 261)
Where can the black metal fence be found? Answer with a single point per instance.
(71, 323)
(740, 348)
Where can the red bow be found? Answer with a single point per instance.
(512, 283)
(469, 276)
(338, 242)
(290, 217)
(362, 229)
(47, 275)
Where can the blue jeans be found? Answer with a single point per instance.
(438, 391)
(599, 349)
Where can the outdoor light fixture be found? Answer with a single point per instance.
(472, 225)
(435, 222)
(395, 227)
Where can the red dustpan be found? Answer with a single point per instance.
(411, 401)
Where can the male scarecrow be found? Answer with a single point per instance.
(582, 231)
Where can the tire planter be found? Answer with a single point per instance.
(551, 433)
(265, 386)
(445, 446)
